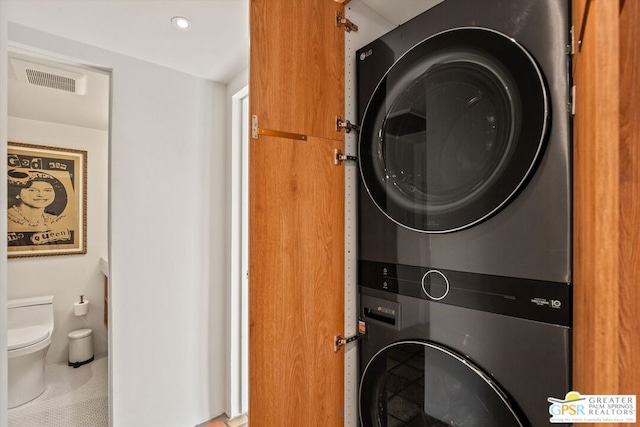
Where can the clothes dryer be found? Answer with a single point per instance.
(464, 147)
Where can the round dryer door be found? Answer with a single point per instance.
(414, 383)
(453, 130)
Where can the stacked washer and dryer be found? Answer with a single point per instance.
(465, 216)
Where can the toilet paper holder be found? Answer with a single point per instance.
(81, 307)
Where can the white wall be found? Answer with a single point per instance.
(67, 277)
(167, 255)
(3, 216)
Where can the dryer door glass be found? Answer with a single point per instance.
(415, 383)
(453, 130)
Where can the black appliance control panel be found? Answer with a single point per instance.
(538, 300)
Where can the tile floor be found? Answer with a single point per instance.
(73, 398)
(79, 398)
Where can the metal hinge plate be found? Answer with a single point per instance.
(573, 101)
(346, 125)
(571, 49)
(254, 127)
(348, 25)
(340, 157)
(339, 341)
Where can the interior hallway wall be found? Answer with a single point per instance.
(3, 216)
(67, 277)
(167, 153)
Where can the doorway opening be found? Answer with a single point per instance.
(65, 107)
(239, 292)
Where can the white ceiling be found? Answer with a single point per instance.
(215, 47)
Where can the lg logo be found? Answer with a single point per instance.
(555, 303)
(365, 55)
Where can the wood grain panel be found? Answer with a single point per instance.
(296, 215)
(629, 198)
(297, 61)
(579, 16)
(296, 282)
(607, 205)
(596, 202)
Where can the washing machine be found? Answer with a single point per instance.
(464, 217)
(478, 360)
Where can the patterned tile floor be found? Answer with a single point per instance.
(73, 398)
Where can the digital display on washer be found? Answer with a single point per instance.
(525, 298)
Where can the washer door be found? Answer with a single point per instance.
(414, 383)
(453, 130)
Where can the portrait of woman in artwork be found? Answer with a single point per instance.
(36, 200)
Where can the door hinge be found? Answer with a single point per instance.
(341, 157)
(572, 108)
(571, 48)
(348, 25)
(254, 126)
(346, 125)
(339, 341)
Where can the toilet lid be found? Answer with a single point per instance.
(24, 337)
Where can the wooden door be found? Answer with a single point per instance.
(606, 197)
(296, 215)
(297, 66)
(629, 358)
(596, 210)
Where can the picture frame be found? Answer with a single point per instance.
(47, 200)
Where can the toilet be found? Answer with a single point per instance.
(30, 329)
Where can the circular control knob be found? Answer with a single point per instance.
(435, 279)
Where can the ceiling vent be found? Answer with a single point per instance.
(51, 77)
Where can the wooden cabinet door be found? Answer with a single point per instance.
(297, 66)
(296, 215)
(606, 203)
(629, 197)
(296, 279)
(596, 204)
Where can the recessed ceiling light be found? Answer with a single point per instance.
(180, 22)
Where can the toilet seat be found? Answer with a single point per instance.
(24, 337)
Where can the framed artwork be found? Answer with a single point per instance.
(47, 201)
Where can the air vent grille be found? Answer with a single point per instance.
(64, 77)
(53, 81)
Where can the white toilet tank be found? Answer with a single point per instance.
(36, 311)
